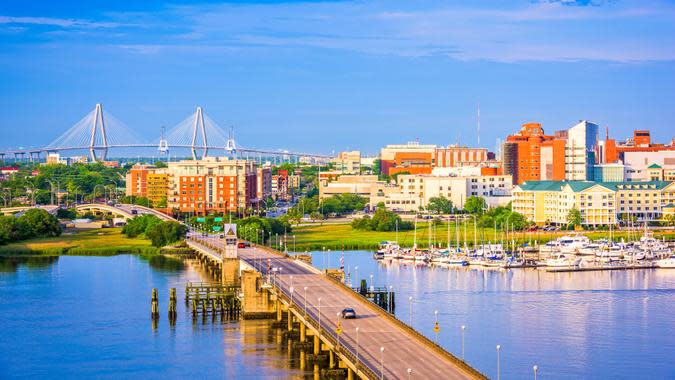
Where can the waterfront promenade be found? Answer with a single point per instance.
(403, 349)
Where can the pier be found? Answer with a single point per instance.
(307, 303)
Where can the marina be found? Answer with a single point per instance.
(568, 253)
(581, 324)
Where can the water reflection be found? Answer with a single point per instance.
(89, 317)
(164, 262)
(13, 263)
(605, 324)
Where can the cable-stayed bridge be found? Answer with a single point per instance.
(99, 134)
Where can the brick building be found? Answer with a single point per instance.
(212, 184)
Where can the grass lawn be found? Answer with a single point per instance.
(335, 236)
(105, 240)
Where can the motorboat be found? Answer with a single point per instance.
(489, 251)
(613, 252)
(513, 262)
(389, 250)
(573, 243)
(559, 260)
(666, 263)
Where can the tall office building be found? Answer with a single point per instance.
(531, 155)
(582, 140)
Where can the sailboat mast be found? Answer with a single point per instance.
(415, 236)
(448, 234)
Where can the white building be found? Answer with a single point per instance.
(638, 162)
(582, 140)
(415, 191)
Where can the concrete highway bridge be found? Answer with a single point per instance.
(307, 302)
(126, 211)
(18, 211)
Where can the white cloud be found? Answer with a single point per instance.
(59, 22)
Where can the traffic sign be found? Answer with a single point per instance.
(201, 220)
(218, 219)
(437, 328)
(339, 328)
(216, 228)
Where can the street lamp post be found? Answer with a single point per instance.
(372, 285)
(291, 291)
(409, 373)
(382, 363)
(436, 324)
(410, 299)
(356, 269)
(357, 351)
(305, 302)
(319, 318)
(499, 347)
(535, 368)
(337, 324)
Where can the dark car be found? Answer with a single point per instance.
(348, 313)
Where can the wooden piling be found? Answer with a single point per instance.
(154, 304)
(172, 303)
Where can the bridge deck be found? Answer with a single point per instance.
(402, 348)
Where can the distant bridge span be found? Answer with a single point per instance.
(20, 210)
(99, 131)
(126, 211)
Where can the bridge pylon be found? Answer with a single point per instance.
(98, 125)
(163, 144)
(231, 145)
(198, 127)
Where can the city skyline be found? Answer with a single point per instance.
(332, 76)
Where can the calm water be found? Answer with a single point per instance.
(585, 325)
(88, 317)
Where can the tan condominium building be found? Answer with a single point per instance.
(348, 184)
(212, 184)
(348, 162)
(599, 203)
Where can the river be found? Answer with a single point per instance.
(88, 317)
(582, 325)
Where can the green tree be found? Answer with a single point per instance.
(574, 217)
(382, 220)
(165, 233)
(140, 225)
(440, 205)
(41, 222)
(475, 205)
(63, 213)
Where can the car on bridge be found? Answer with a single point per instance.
(348, 313)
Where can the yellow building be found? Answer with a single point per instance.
(156, 187)
(600, 203)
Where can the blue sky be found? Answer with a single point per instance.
(327, 76)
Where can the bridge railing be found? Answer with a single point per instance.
(362, 368)
(420, 337)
